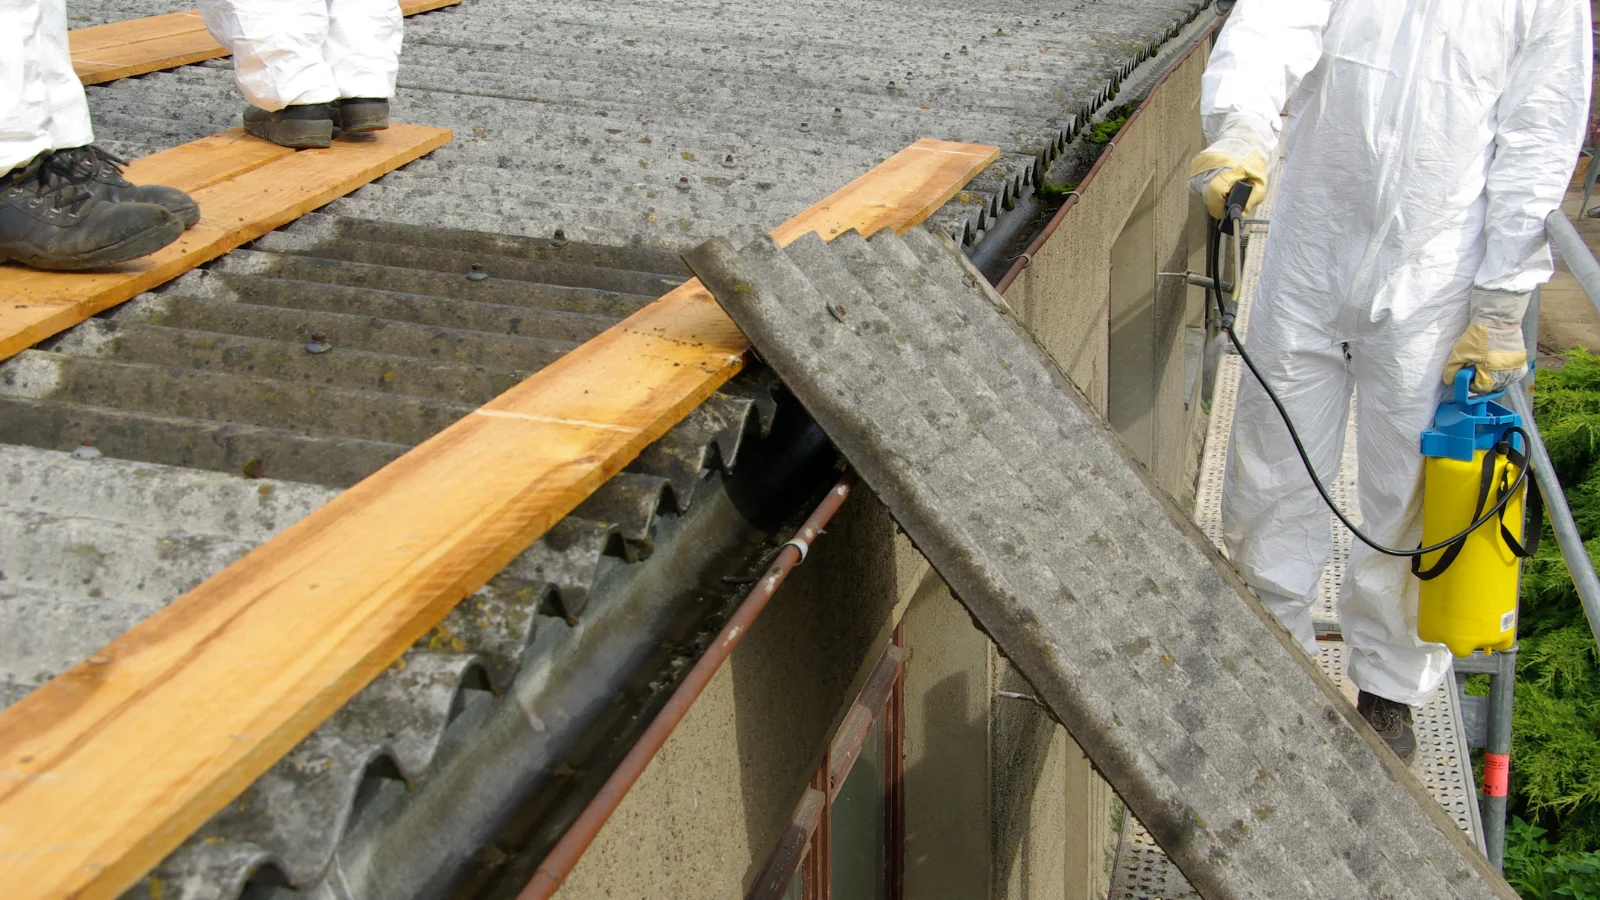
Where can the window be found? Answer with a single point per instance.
(844, 840)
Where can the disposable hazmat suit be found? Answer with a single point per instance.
(295, 52)
(42, 106)
(1426, 141)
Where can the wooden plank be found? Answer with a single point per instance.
(126, 60)
(132, 31)
(412, 7)
(102, 53)
(202, 163)
(108, 767)
(36, 304)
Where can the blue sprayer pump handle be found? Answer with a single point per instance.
(1466, 422)
(1463, 387)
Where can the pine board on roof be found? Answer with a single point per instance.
(256, 199)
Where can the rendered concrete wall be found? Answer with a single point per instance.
(701, 820)
(1031, 816)
(1064, 296)
(948, 691)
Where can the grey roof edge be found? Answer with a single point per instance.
(1257, 781)
(1008, 183)
(515, 662)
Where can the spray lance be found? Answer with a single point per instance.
(1475, 474)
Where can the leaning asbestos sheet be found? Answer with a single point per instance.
(1250, 770)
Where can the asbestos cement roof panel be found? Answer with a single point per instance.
(1246, 764)
(616, 121)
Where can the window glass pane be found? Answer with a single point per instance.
(797, 885)
(858, 820)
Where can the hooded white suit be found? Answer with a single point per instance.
(1426, 141)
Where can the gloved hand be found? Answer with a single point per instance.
(1493, 343)
(1216, 169)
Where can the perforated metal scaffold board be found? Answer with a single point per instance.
(1251, 771)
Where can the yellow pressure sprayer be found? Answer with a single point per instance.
(1475, 460)
(1474, 480)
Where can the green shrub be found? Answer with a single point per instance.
(1555, 761)
(1539, 872)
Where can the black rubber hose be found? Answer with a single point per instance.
(1225, 322)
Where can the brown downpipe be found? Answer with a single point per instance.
(1043, 237)
(564, 856)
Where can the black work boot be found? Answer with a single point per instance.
(301, 127)
(362, 114)
(101, 173)
(1392, 722)
(49, 220)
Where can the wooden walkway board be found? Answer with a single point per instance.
(105, 769)
(115, 50)
(245, 187)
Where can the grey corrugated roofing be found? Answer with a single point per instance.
(1255, 775)
(185, 390)
(614, 122)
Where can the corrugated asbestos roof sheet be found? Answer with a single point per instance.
(184, 391)
(635, 128)
(667, 122)
(1245, 763)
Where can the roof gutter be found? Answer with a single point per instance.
(563, 858)
(1021, 260)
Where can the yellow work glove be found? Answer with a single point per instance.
(1215, 171)
(1492, 343)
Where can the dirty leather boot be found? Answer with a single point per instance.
(49, 220)
(304, 126)
(101, 173)
(1392, 722)
(362, 114)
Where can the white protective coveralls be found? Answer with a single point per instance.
(295, 52)
(42, 106)
(1426, 142)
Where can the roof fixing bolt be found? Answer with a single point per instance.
(836, 310)
(805, 127)
(561, 236)
(683, 183)
(318, 343)
(891, 85)
(838, 113)
(477, 273)
(86, 450)
(964, 50)
(727, 161)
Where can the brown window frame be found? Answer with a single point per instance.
(807, 842)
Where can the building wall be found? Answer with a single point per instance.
(702, 818)
(1000, 803)
(1065, 294)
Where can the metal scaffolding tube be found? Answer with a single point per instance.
(1561, 522)
(1564, 235)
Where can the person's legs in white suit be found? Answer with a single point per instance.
(1397, 393)
(363, 47)
(277, 49)
(310, 68)
(42, 105)
(1275, 526)
(63, 202)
